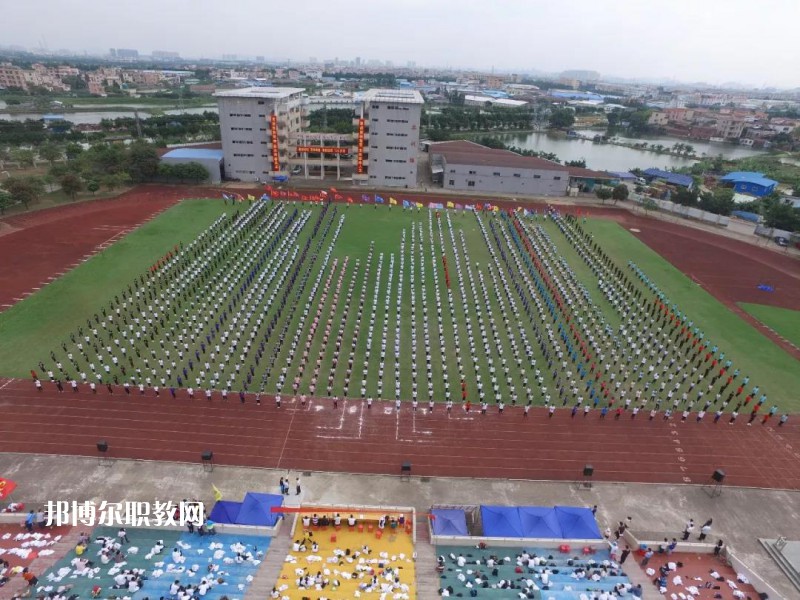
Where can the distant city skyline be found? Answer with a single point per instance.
(715, 42)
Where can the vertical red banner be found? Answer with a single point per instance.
(273, 128)
(360, 158)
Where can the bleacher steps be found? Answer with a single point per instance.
(269, 570)
(42, 564)
(785, 566)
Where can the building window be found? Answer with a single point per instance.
(496, 173)
(472, 172)
(452, 170)
(451, 182)
(537, 176)
(557, 178)
(517, 175)
(470, 184)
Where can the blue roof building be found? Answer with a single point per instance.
(211, 159)
(669, 177)
(748, 182)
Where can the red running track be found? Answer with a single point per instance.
(355, 439)
(39, 246)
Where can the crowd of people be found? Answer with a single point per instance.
(518, 329)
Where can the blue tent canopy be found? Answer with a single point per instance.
(225, 511)
(280, 178)
(501, 521)
(539, 522)
(449, 521)
(256, 509)
(577, 523)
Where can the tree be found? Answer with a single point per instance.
(115, 180)
(720, 202)
(73, 150)
(93, 185)
(561, 118)
(576, 163)
(649, 204)
(620, 192)
(142, 163)
(783, 216)
(24, 189)
(6, 201)
(71, 184)
(50, 152)
(24, 157)
(603, 192)
(685, 197)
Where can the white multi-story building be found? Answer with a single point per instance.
(391, 120)
(255, 126)
(264, 135)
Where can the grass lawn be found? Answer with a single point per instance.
(31, 328)
(783, 320)
(769, 366)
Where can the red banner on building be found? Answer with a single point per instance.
(360, 159)
(273, 128)
(321, 150)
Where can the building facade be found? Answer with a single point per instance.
(264, 135)
(255, 124)
(468, 166)
(391, 131)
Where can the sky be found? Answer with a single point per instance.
(713, 41)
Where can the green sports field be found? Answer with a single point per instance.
(783, 320)
(40, 324)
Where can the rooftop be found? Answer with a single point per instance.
(399, 96)
(670, 177)
(495, 100)
(260, 92)
(194, 153)
(749, 177)
(463, 152)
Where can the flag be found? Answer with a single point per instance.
(470, 207)
(406, 204)
(392, 201)
(250, 197)
(365, 198)
(334, 190)
(323, 193)
(450, 204)
(338, 197)
(379, 200)
(349, 199)
(496, 208)
(225, 197)
(419, 204)
(478, 207)
(264, 197)
(217, 493)
(459, 206)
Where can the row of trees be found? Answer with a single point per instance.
(103, 165)
(468, 118)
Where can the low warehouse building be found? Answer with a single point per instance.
(468, 166)
(208, 158)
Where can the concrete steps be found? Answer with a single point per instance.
(270, 569)
(788, 569)
(427, 577)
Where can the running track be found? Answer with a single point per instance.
(378, 441)
(355, 439)
(39, 246)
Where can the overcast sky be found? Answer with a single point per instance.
(748, 41)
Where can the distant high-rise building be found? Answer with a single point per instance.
(358, 61)
(165, 55)
(312, 60)
(228, 57)
(581, 75)
(260, 59)
(112, 53)
(411, 64)
(127, 54)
